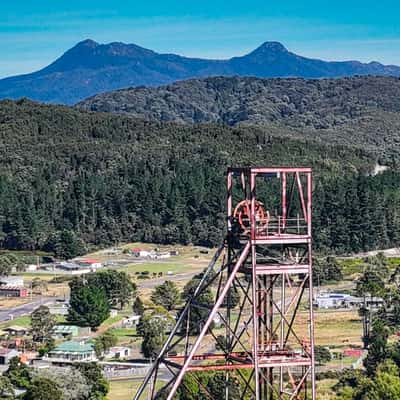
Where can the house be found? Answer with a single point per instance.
(356, 353)
(73, 268)
(119, 352)
(58, 308)
(340, 300)
(31, 267)
(162, 255)
(90, 263)
(358, 302)
(13, 291)
(16, 330)
(140, 253)
(331, 300)
(6, 355)
(72, 351)
(64, 331)
(113, 312)
(131, 320)
(17, 281)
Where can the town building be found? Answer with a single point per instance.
(17, 281)
(13, 291)
(140, 253)
(16, 330)
(64, 331)
(119, 352)
(58, 308)
(342, 300)
(72, 351)
(6, 355)
(89, 263)
(73, 268)
(130, 320)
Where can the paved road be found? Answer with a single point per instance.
(25, 309)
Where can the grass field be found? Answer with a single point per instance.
(124, 389)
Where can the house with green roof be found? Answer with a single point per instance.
(73, 351)
(64, 331)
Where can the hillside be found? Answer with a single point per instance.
(361, 111)
(90, 68)
(115, 178)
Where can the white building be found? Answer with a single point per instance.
(341, 300)
(118, 352)
(16, 281)
(131, 320)
(331, 300)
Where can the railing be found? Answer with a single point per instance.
(278, 226)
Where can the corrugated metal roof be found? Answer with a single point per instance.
(73, 347)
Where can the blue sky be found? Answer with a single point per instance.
(34, 33)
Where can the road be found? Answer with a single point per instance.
(25, 309)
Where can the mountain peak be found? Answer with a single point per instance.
(87, 43)
(275, 47)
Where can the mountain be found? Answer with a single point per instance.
(362, 111)
(113, 178)
(90, 68)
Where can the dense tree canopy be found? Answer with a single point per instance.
(89, 305)
(42, 323)
(166, 295)
(68, 176)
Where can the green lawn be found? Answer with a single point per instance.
(125, 389)
(160, 266)
(24, 321)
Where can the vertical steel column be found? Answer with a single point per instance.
(254, 283)
(310, 283)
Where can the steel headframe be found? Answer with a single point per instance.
(259, 330)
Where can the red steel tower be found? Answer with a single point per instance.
(258, 333)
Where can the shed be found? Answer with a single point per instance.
(16, 330)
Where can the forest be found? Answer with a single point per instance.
(97, 179)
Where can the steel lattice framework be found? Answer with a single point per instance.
(263, 343)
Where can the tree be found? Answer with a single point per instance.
(326, 270)
(322, 355)
(370, 283)
(153, 330)
(43, 389)
(166, 295)
(69, 380)
(234, 298)
(117, 285)
(378, 349)
(138, 306)
(199, 307)
(93, 373)
(6, 388)
(42, 323)
(5, 266)
(18, 373)
(384, 385)
(66, 244)
(40, 284)
(89, 305)
(104, 342)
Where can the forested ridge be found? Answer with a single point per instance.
(109, 178)
(362, 111)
